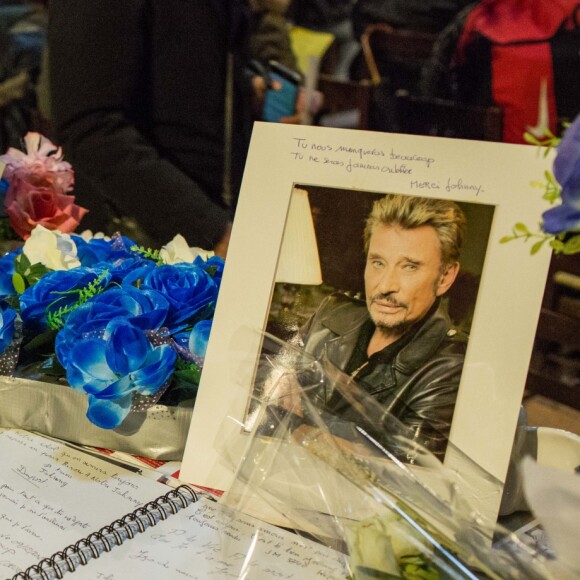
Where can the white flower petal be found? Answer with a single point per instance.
(176, 251)
(53, 249)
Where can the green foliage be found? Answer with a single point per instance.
(571, 245)
(548, 141)
(521, 231)
(26, 274)
(190, 371)
(564, 243)
(19, 283)
(13, 302)
(149, 254)
(37, 360)
(416, 568)
(552, 188)
(363, 573)
(184, 383)
(56, 318)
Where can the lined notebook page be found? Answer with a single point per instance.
(52, 495)
(208, 540)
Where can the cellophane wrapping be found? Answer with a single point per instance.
(390, 506)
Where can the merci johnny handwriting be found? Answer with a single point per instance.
(374, 159)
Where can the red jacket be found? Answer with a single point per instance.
(520, 34)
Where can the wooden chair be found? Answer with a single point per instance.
(555, 364)
(346, 103)
(390, 59)
(433, 116)
(394, 54)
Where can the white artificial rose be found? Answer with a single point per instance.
(406, 539)
(380, 542)
(369, 547)
(88, 235)
(53, 249)
(177, 251)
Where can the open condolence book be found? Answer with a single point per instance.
(62, 511)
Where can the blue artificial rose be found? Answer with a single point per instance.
(192, 344)
(7, 320)
(6, 273)
(98, 250)
(199, 338)
(120, 269)
(567, 161)
(189, 289)
(111, 368)
(134, 276)
(561, 218)
(114, 255)
(566, 217)
(55, 290)
(214, 266)
(145, 309)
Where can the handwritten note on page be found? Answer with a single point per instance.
(52, 495)
(208, 540)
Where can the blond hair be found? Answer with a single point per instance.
(409, 212)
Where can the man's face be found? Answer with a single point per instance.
(403, 275)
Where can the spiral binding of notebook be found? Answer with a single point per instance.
(114, 534)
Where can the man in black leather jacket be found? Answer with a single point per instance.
(399, 347)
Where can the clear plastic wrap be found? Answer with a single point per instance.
(368, 487)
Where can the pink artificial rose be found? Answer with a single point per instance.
(40, 201)
(39, 181)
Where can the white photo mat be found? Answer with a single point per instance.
(508, 301)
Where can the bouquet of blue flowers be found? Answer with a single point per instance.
(123, 325)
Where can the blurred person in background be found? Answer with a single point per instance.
(153, 105)
(334, 17)
(22, 39)
(520, 55)
(418, 15)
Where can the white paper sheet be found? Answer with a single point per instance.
(53, 495)
(206, 540)
(554, 498)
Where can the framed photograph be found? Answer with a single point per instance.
(323, 255)
(337, 175)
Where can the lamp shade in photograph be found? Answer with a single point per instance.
(299, 262)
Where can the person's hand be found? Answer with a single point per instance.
(221, 248)
(296, 118)
(260, 87)
(305, 111)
